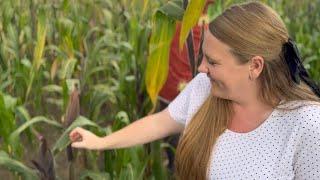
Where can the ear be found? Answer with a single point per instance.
(256, 66)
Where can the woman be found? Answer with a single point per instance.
(252, 112)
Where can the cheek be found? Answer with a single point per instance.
(238, 81)
(215, 73)
(219, 77)
(227, 78)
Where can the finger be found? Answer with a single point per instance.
(76, 134)
(73, 134)
(78, 138)
(77, 144)
(75, 137)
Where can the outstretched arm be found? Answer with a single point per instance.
(144, 130)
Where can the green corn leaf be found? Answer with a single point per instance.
(17, 167)
(94, 175)
(34, 120)
(64, 140)
(68, 67)
(52, 88)
(14, 136)
(173, 9)
(7, 121)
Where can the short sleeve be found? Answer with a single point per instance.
(190, 98)
(307, 163)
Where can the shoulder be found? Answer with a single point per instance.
(300, 108)
(304, 114)
(307, 157)
(190, 98)
(307, 119)
(201, 79)
(199, 85)
(308, 114)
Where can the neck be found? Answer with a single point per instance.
(251, 102)
(250, 113)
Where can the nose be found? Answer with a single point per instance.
(203, 66)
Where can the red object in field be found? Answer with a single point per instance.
(179, 66)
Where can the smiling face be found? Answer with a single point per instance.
(228, 77)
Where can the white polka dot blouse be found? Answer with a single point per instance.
(286, 146)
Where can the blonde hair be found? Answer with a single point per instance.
(248, 29)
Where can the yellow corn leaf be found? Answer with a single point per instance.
(41, 38)
(190, 18)
(145, 5)
(67, 68)
(158, 64)
(54, 68)
(38, 50)
(67, 46)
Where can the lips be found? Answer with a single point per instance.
(213, 81)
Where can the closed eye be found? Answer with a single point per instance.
(210, 61)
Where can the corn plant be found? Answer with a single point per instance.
(117, 53)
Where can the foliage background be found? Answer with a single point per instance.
(103, 46)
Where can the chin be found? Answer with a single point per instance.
(215, 92)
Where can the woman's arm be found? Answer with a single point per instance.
(142, 131)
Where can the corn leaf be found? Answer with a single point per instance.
(173, 9)
(7, 121)
(64, 140)
(52, 88)
(158, 63)
(14, 136)
(16, 166)
(94, 175)
(67, 69)
(38, 50)
(190, 18)
(41, 38)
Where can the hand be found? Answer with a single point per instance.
(82, 138)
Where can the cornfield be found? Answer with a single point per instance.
(99, 64)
